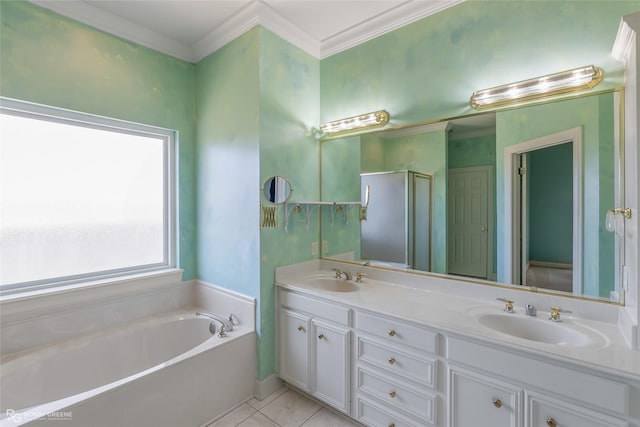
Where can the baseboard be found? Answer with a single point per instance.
(267, 386)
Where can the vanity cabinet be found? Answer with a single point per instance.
(492, 387)
(314, 341)
(396, 372)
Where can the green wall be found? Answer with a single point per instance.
(550, 183)
(52, 60)
(427, 70)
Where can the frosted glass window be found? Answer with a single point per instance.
(80, 199)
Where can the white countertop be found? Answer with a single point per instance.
(455, 315)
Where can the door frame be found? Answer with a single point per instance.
(491, 207)
(511, 208)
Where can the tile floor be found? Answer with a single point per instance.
(283, 408)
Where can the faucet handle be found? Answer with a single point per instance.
(555, 314)
(359, 277)
(508, 304)
(338, 272)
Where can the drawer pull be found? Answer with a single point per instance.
(392, 360)
(300, 328)
(392, 333)
(392, 425)
(321, 336)
(497, 403)
(392, 394)
(551, 422)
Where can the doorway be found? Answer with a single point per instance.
(543, 198)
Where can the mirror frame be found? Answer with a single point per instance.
(268, 181)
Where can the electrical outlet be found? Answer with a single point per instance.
(314, 248)
(325, 246)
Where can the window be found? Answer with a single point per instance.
(81, 197)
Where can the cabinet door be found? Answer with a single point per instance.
(331, 363)
(294, 348)
(478, 400)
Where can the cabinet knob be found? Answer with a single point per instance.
(392, 394)
(392, 425)
(551, 422)
(392, 360)
(300, 328)
(497, 403)
(321, 336)
(392, 333)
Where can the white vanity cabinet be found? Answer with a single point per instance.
(396, 371)
(488, 386)
(314, 341)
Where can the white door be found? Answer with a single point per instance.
(468, 221)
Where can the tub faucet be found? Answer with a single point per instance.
(227, 324)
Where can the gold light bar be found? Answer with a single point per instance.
(369, 120)
(553, 84)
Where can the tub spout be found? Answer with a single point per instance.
(227, 324)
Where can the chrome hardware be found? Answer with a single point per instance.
(321, 336)
(300, 328)
(392, 360)
(392, 394)
(551, 422)
(392, 333)
(508, 306)
(497, 403)
(555, 314)
(222, 333)
(530, 310)
(359, 277)
(226, 323)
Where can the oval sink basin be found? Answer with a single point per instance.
(534, 329)
(333, 284)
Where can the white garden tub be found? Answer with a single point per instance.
(165, 371)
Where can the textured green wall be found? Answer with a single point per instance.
(427, 70)
(289, 108)
(51, 60)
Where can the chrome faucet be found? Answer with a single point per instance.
(530, 310)
(227, 324)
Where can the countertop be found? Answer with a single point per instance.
(455, 315)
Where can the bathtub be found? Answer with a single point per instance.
(164, 371)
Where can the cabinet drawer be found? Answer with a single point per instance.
(399, 396)
(543, 412)
(586, 389)
(413, 367)
(328, 311)
(398, 332)
(372, 415)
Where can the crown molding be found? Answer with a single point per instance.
(120, 27)
(622, 46)
(383, 23)
(254, 13)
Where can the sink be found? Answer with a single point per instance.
(535, 329)
(332, 284)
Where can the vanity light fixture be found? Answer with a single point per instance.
(540, 87)
(363, 121)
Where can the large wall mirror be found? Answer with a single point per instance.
(517, 196)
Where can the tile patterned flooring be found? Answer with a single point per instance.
(283, 408)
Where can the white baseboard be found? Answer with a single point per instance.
(267, 386)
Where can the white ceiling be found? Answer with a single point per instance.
(193, 29)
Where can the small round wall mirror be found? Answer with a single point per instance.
(277, 189)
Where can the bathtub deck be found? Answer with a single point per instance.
(283, 408)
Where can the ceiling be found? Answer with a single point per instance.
(191, 30)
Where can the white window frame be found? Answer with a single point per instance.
(168, 136)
